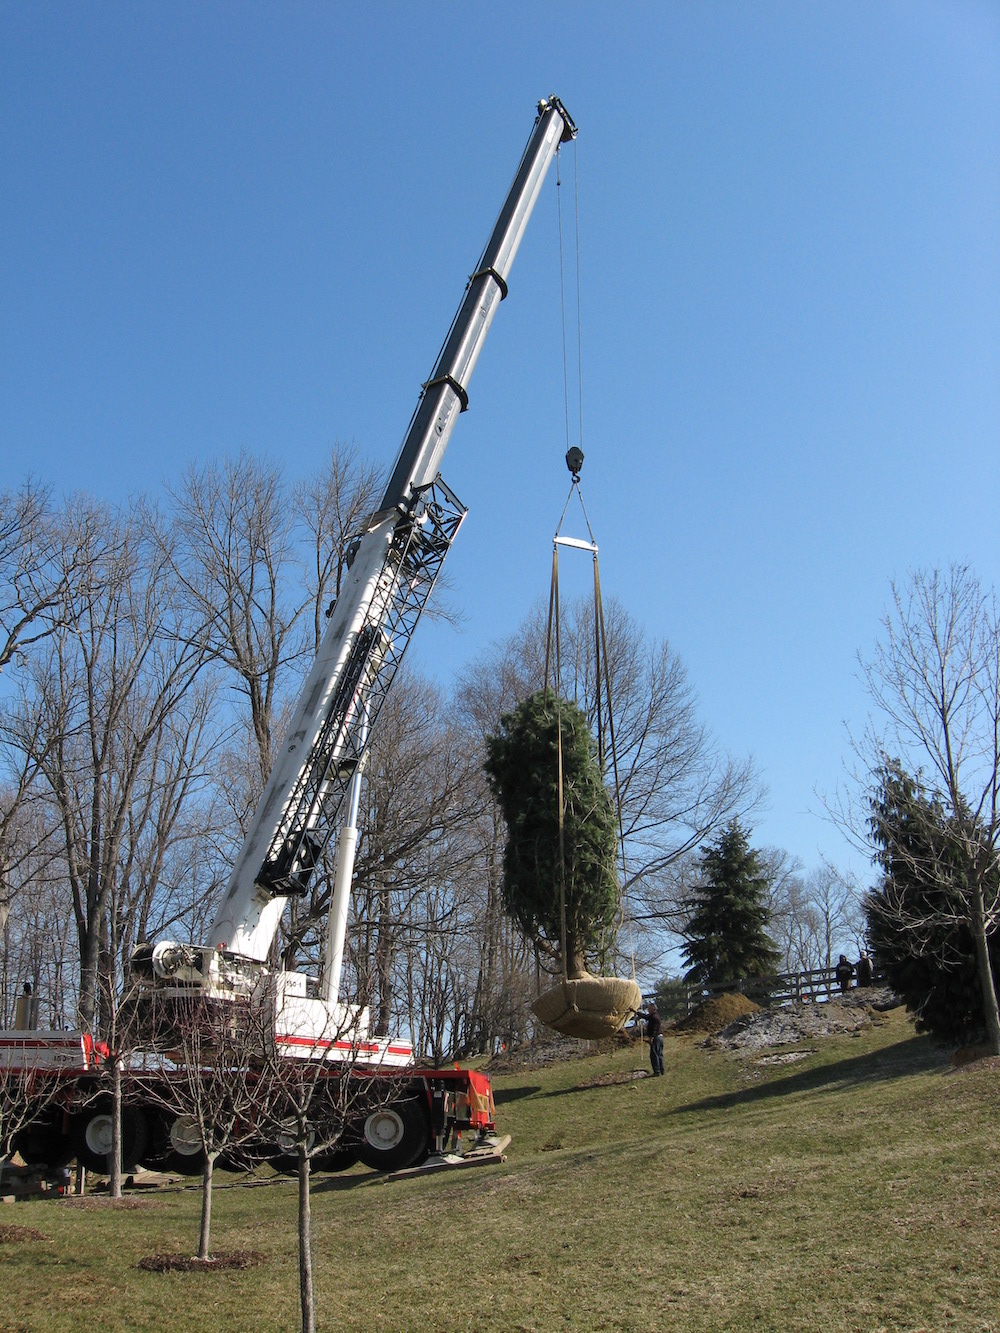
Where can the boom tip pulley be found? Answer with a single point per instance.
(551, 103)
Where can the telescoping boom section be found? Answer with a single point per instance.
(311, 794)
(393, 571)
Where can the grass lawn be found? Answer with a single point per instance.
(855, 1189)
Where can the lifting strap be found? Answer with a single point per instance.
(604, 714)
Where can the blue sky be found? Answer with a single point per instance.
(249, 225)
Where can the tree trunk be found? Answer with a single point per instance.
(991, 1014)
(89, 950)
(576, 963)
(305, 1244)
(115, 1182)
(206, 1205)
(383, 965)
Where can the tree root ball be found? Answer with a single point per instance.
(588, 1007)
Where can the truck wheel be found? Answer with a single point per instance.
(91, 1132)
(337, 1159)
(185, 1155)
(43, 1143)
(396, 1136)
(286, 1160)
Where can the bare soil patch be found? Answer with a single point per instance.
(787, 1057)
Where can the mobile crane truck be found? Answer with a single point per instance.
(314, 783)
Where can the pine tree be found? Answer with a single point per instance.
(522, 768)
(918, 915)
(726, 931)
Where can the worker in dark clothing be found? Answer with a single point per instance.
(654, 1034)
(865, 971)
(844, 972)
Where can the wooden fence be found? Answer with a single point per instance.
(818, 985)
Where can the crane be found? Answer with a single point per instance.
(314, 781)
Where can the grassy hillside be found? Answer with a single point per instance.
(855, 1189)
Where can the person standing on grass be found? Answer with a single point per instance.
(654, 1034)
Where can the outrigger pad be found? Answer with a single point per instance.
(588, 1007)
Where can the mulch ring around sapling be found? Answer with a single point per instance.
(190, 1263)
(11, 1235)
(100, 1201)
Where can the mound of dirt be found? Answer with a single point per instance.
(878, 998)
(959, 1066)
(715, 1014)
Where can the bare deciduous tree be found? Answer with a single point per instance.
(421, 792)
(310, 1111)
(37, 569)
(812, 916)
(333, 507)
(24, 1097)
(31, 920)
(213, 1087)
(232, 552)
(94, 708)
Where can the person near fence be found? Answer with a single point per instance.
(863, 967)
(654, 1034)
(844, 972)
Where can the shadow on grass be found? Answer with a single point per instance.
(321, 1183)
(502, 1096)
(601, 1084)
(913, 1056)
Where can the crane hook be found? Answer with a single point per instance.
(574, 461)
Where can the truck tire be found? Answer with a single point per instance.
(396, 1136)
(43, 1143)
(91, 1131)
(183, 1152)
(286, 1159)
(337, 1158)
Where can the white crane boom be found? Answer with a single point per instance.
(391, 575)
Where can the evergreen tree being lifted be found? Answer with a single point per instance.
(560, 879)
(522, 765)
(726, 930)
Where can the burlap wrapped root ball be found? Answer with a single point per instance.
(588, 1007)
